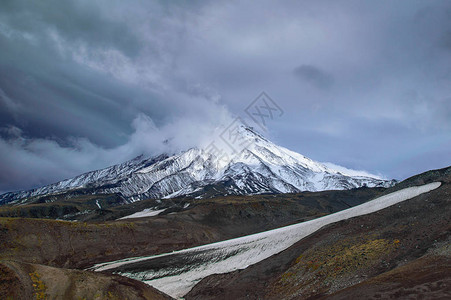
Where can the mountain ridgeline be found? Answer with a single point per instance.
(262, 167)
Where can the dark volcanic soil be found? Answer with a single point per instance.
(64, 244)
(401, 251)
(426, 278)
(83, 244)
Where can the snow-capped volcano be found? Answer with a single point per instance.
(259, 167)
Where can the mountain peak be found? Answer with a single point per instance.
(250, 131)
(259, 167)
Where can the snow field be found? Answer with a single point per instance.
(148, 212)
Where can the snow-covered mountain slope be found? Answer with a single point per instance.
(260, 167)
(177, 272)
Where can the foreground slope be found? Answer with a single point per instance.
(399, 252)
(414, 228)
(53, 246)
(176, 273)
(260, 167)
(30, 281)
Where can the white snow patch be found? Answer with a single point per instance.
(148, 212)
(239, 253)
(351, 172)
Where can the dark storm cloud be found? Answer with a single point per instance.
(314, 76)
(77, 21)
(446, 40)
(70, 69)
(53, 95)
(85, 84)
(79, 90)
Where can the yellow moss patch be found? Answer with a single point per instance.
(38, 285)
(337, 260)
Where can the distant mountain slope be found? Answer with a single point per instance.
(261, 167)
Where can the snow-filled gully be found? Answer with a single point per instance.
(177, 272)
(148, 212)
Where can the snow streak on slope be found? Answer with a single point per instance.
(148, 212)
(102, 181)
(261, 167)
(177, 272)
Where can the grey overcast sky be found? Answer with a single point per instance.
(86, 84)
